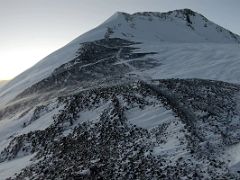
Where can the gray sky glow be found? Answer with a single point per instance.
(32, 29)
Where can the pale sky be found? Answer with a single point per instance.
(32, 29)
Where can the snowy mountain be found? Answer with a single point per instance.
(142, 96)
(155, 31)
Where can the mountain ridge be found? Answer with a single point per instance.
(142, 96)
(186, 15)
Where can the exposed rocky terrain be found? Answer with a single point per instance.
(204, 121)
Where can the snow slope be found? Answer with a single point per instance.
(194, 60)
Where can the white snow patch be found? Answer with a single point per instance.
(149, 117)
(172, 147)
(9, 168)
(233, 153)
(92, 115)
(174, 141)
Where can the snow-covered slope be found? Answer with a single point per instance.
(195, 60)
(97, 109)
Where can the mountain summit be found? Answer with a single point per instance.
(142, 96)
(184, 26)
